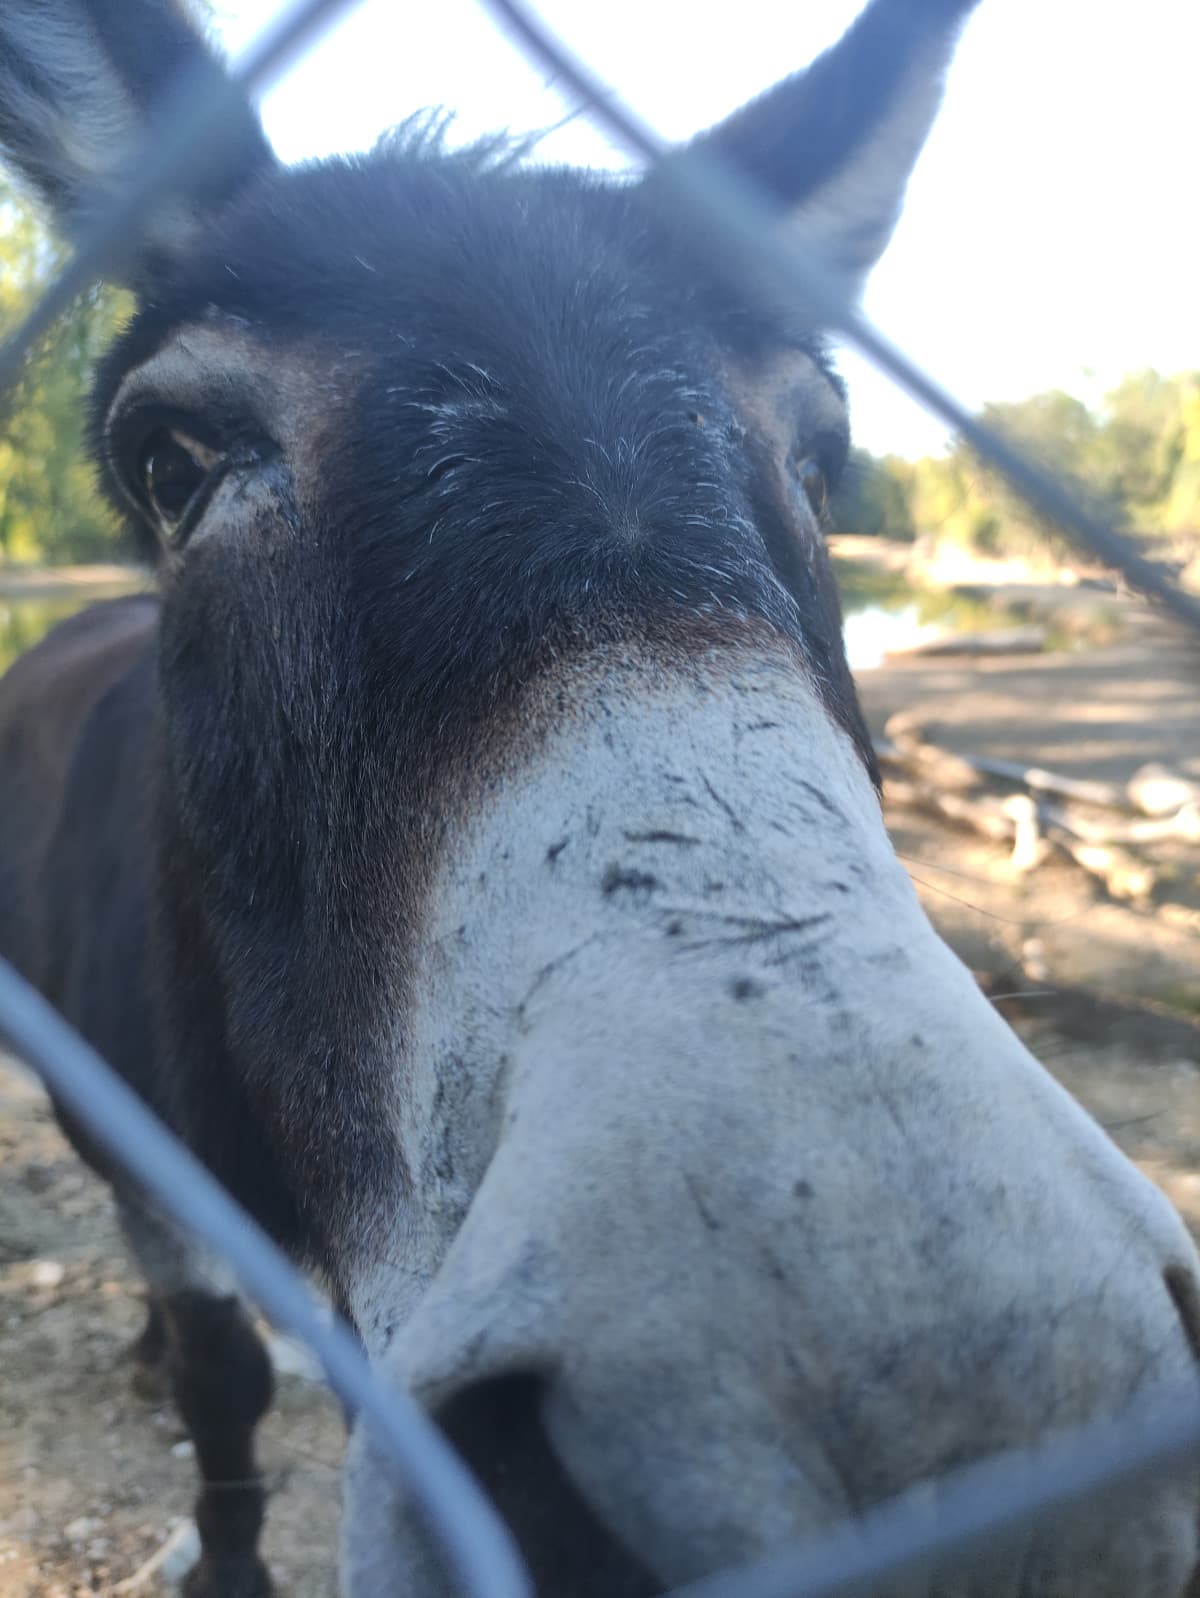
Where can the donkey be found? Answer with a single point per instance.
(473, 851)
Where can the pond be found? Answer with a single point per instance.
(883, 612)
(25, 617)
(874, 631)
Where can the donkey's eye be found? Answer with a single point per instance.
(810, 476)
(172, 469)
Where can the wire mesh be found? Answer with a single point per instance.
(980, 1508)
(476, 1541)
(744, 226)
(193, 145)
(979, 1504)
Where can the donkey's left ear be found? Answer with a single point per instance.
(86, 84)
(835, 145)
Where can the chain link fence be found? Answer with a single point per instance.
(979, 1505)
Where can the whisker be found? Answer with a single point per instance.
(1028, 993)
(1031, 925)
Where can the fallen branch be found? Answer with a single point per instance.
(1153, 790)
(1184, 825)
(1032, 831)
(984, 815)
(1003, 641)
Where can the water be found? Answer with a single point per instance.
(883, 612)
(872, 632)
(25, 617)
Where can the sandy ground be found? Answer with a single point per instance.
(93, 582)
(1094, 713)
(93, 1479)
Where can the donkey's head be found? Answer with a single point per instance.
(520, 850)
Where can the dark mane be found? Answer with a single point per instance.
(426, 135)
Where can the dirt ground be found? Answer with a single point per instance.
(94, 1480)
(1092, 713)
(92, 1477)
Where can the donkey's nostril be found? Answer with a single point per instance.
(1185, 1295)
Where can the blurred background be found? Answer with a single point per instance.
(1038, 726)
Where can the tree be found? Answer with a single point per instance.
(1151, 431)
(1058, 431)
(1181, 508)
(49, 508)
(875, 496)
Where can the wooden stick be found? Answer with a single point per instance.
(1153, 790)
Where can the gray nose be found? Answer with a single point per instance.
(592, 1443)
(961, 1539)
(773, 1265)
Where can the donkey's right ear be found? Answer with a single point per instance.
(834, 145)
(85, 84)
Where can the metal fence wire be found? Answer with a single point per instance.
(977, 1506)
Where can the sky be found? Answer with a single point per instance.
(1051, 233)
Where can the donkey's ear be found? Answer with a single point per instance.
(834, 146)
(85, 84)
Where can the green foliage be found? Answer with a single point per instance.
(875, 497)
(1136, 458)
(1058, 431)
(49, 509)
(1153, 425)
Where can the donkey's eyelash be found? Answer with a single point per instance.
(126, 433)
(214, 429)
(831, 451)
